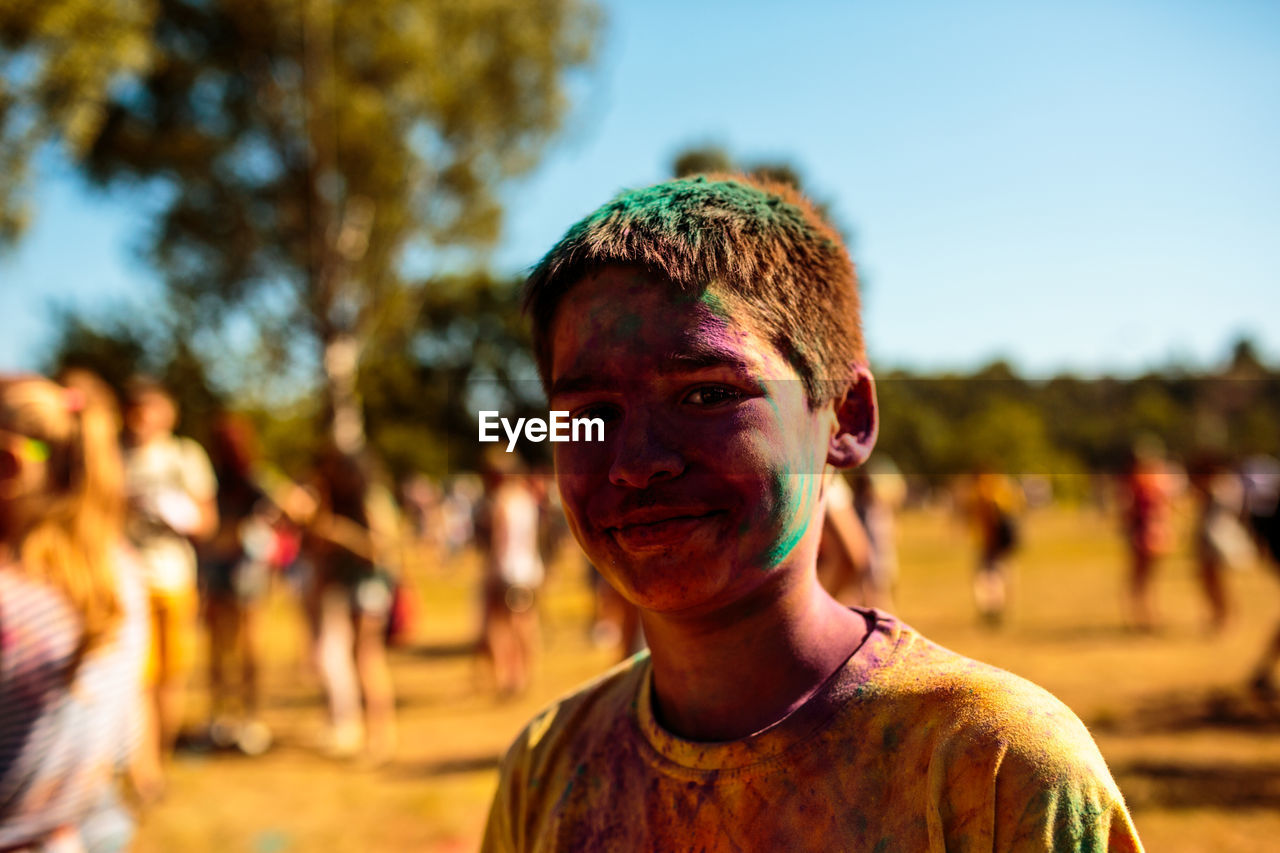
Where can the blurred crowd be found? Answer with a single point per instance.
(119, 540)
(122, 545)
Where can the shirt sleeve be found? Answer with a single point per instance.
(1073, 816)
(1061, 800)
(523, 780)
(499, 831)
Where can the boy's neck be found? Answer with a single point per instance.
(719, 680)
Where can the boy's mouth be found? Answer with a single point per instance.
(656, 529)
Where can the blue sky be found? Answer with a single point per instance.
(1084, 186)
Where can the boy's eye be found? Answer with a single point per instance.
(713, 395)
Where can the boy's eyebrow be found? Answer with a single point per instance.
(702, 355)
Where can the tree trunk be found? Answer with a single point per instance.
(341, 364)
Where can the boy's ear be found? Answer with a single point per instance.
(857, 420)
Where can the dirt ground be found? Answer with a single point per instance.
(1197, 757)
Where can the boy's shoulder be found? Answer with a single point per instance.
(963, 704)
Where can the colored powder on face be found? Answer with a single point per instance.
(793, 492)
(795, 495)
(714, 302)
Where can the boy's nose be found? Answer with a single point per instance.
(643, 453)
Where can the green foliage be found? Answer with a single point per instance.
(299, 147)
(937, 427)
(118, 350)
(60, 61)
(422, 390)
(115, 351)
(701, 161)
(289, 437)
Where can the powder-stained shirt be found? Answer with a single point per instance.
(907, 747)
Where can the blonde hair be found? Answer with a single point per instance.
(75, 518)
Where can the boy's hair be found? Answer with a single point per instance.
(760, 241)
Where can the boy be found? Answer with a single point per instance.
(713, 324)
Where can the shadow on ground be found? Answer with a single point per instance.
(437, 651)
(448, 766)
(1184, 785)
(1190, 710)
(1090, 635)
(1174, 784)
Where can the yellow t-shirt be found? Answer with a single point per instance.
(908, 747)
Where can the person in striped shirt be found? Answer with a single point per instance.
(73, 628)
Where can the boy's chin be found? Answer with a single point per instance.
(665, 583)
(684, 602)
(677, 587)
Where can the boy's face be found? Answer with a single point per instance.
(708, 481)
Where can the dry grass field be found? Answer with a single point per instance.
(1197, 757)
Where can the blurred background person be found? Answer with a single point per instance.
(351, 540)
(844, 553)
(994, 504)
(171, 494)
(1146, 495)
(1260, 478)
(458, 511)
(615, 622)
(421, 500)
(235, 577)
(73, 621)
(555, 539)
(507, 527)
(878, 493)
(1219, 540)
(1262, 511)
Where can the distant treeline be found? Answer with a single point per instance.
(469, 349)
(938, 426)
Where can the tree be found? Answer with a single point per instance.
(700, 161)
(118, 351)
(302, 147)
(60, 60)
(470, 350)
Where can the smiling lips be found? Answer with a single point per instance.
(657, 528)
